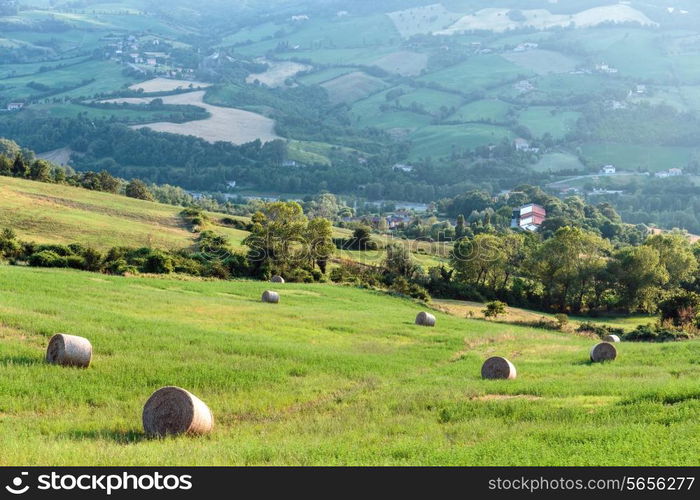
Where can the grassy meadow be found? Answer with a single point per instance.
(51, 213)
(332, 375)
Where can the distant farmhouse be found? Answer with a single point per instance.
(524, 145)
(15, 106)
(608, 170)
(528, 217)
(671, 172)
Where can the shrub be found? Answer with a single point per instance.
(494, 309)
(655, 333)
(562, 320)
(47, 258)
(158, 263)
(61, 250)
(75, 262)
(601, 331)
(681, 309)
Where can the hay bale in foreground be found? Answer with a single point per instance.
(603, 352)
(277, 279)
(498, 368)
(69, 350)
(172, 410)
(271, 297)
(425, 319)
(611, 338)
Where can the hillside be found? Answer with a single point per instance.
(332, 375)
(53, 213)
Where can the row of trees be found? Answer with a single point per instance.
(576, 270)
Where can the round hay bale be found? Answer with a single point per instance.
(498, 368)
(271, 297)
(611, 338)
(425, 319)
(277, 279)
(172, 410)
(603, 352)
(69, 350)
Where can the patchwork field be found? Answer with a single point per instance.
(277, 73)
(477, 73)
(405, 63)
(224, 124)
(557, 161)
(442, 140)
(498, 20)
(352, 87)
(636, 157)
(541, 120)
(167, 85)
(77, 80)
(478, 111)
(331, 376)
(422, 20)
(542, 62)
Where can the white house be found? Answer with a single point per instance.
(607, 170)
(521, 144)
(15, 106)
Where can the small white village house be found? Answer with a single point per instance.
(608, 169)
(15, 106)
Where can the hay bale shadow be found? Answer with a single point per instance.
(118, 436)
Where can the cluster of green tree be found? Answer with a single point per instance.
(282, 241)
(303, 112)
(361, 240)
(640, 124)
(672, 202)
(575, 270)
(44, 171)
(478, 212)
(161, 158)
(176, 113)
(23, 164)
(208, 260)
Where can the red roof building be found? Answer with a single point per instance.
(529, 217)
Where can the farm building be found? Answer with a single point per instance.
(528, 217)
(524, 145)
(607, 170)
(15, 106)
(671, 172)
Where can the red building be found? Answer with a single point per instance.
(529, 217)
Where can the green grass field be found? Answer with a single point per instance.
(441, 140)
(332, 375)
(478, 111)
(557, 161)
(477, 73)
(84, 80)
(638, 156)
(541, 120)
(48, 213)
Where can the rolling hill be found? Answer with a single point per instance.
(51, 213)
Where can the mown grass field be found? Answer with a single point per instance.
(50, 213)
(332, 375)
